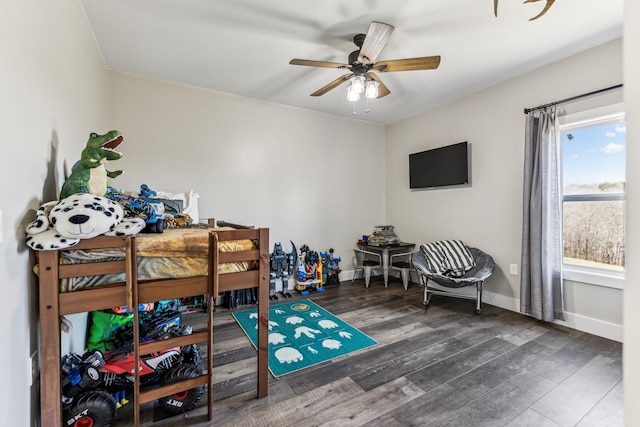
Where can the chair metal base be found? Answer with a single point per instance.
(405, 270)
(429, 292)
(366, 265)
(366, 271)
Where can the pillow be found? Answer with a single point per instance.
(458, 259)
(170, 206)
(189, 202)
(448, 257)
(435, 258)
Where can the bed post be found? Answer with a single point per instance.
(50, 390)
(263, 315)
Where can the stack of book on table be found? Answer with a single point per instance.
(383, 235)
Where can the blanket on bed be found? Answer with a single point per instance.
(174, 254)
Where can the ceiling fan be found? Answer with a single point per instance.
(362, 65)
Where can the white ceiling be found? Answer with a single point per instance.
(244, 47)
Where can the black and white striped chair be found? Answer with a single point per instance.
(454, 272)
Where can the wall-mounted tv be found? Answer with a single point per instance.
(440, 167)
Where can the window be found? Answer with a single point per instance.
(593, 195)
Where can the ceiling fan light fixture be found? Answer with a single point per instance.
(362, 78)
(358, 83)
(371, 89)
(352, 92)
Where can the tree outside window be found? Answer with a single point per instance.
(593, 183)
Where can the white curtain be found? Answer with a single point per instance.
(541, 280)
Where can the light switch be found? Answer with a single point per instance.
(513, 269)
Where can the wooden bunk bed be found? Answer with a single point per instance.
(54, 303)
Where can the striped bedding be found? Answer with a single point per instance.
(175, 253)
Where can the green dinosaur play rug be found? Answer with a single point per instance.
(302, 334)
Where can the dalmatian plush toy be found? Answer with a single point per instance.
(60, 225)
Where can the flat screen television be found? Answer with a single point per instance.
(440, 167)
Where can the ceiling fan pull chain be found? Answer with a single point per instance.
(354, 109)
(367, 110)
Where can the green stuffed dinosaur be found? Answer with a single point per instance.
(89, 175)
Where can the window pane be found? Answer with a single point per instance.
(593, 159)
(593, 165)
(594, 234)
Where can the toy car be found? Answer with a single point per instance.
(95, 385)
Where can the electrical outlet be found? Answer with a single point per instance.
(513, 269)
(33, 368)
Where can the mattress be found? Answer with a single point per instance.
(173, 254)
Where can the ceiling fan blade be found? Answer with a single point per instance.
(375, 40)
(334, 84)
(311, 63)
(382, 89)
(410, 64)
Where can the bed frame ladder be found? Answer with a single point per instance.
(149, 292)
(54, 304)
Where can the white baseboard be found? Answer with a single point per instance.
(346, 275)
(501, 301)
(593, 326)
(343, 276)
(574, 321)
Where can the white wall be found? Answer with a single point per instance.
(631, 348)
(53, 87)
(489, 213)
(309, 177)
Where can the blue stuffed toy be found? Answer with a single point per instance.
(138, 207)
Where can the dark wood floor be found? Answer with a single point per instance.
(441, 366)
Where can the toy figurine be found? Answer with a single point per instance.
(89, 174)
(330, 268)
(309, 271)
(281, 266)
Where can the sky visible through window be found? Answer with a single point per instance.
(593, 168)
(595, 154)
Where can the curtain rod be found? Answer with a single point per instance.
(573, 98)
